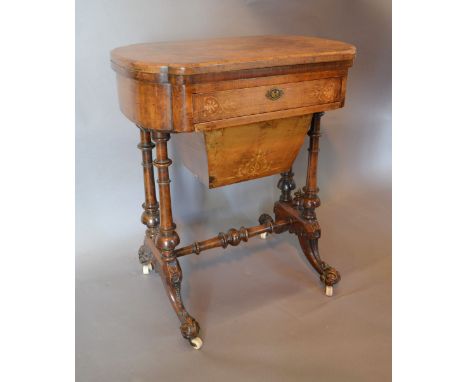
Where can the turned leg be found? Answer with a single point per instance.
(308, 201)
(166, 241)
(286, 184)
(150, 215)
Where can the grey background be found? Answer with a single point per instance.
(262, 310)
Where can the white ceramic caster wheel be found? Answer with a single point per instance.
(329, 290)
(263, 235)
(147, 268)
(196, 343)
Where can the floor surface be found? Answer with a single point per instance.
(262, 309)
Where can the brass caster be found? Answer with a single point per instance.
(264, 235)
(147, 268)
(196, 343)
(329, 290)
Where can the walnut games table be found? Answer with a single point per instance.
(241, 108)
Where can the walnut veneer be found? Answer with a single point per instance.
(243, 107)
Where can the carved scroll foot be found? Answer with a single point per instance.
(171, 275)
(328, 275)
(144, 255)
(147, 260)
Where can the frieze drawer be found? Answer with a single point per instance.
(263, 99)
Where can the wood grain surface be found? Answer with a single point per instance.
(205, 85)
(231, 155)
(247, 101)
(232, 53)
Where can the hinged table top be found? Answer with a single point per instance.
(226, 54)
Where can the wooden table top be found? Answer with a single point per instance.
(226, 54)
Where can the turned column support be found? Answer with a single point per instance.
(310, 199)
(286, 184)
(301, 210)
(150, 215)
(167, 238)
(166, 241)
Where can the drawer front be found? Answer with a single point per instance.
(263, 99)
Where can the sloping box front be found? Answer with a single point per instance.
(224, 156)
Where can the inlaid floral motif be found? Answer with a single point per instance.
(329, 92)
(210, 106)
(324, 94)
(257, 164)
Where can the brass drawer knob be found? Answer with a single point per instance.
(274, 94)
